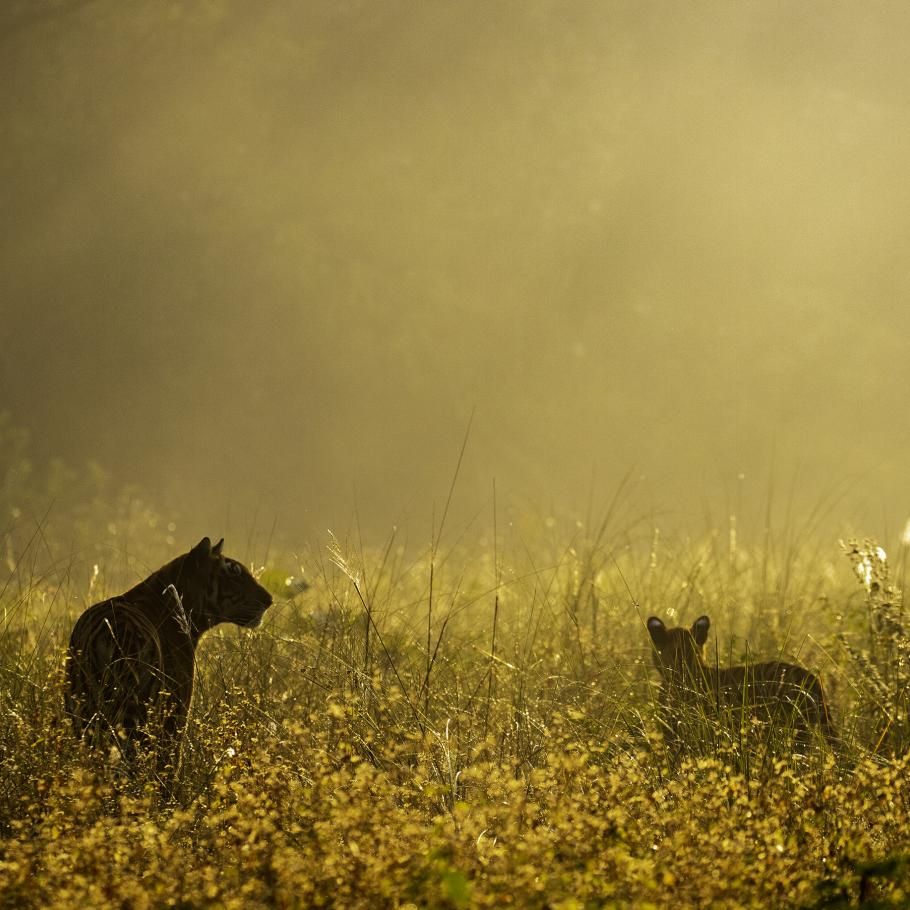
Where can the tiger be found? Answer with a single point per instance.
(773, 690)
(131, 658)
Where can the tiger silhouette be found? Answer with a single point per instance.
(131, 658)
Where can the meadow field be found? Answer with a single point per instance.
(273, 262)
(468, 722)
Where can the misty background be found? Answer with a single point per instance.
(270, 257)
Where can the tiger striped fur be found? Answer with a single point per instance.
(131, 658)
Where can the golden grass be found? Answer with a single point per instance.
(369, 748)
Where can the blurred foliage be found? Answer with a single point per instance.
(92, 519)
(328, 227)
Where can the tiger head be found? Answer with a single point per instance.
(219, 589)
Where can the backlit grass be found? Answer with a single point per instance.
(374, 745)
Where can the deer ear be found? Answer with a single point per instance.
(700, 630)
(216, 550)
(658, 631)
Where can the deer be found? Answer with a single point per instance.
(774, 690)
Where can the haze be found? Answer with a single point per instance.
(271, 256)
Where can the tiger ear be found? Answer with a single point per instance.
(700, 630)
(658, 631)
(216, 550)
(202, 549)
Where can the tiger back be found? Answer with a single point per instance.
(115, 671)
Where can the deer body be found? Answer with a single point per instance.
(779, 691)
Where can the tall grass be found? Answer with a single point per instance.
(471, 725)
